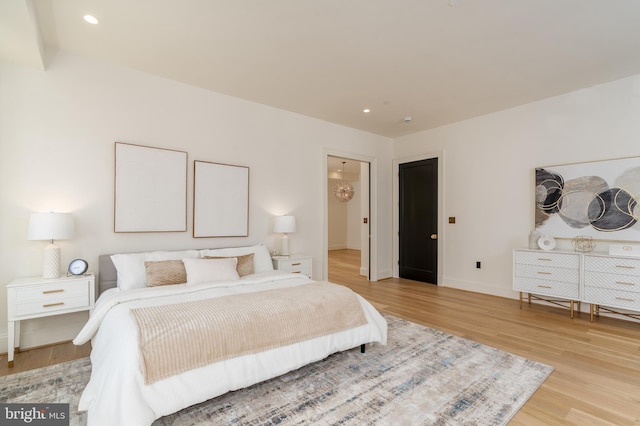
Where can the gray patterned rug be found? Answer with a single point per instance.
(423, 376)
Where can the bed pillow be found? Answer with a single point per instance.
(261, 259)
(245, 263)
(130, 266)
(165, 272)
(211, 270)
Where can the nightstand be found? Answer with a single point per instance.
(37, 297)
(296, 264)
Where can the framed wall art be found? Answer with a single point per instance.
(150, 189)
(220, 200)
(597, 199)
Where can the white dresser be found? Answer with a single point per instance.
(604, 281)
(611, 281)
(296, 264)
(550, 276)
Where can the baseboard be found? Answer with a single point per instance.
(478, 287)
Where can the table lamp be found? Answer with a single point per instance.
(51, 226)
(284, 225)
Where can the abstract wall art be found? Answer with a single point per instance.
(598, 199)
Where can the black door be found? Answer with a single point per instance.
(418, 220)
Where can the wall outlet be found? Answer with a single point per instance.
(478, 265)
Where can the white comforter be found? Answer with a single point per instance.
(116, 393)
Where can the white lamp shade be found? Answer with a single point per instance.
(284, 224)
(51, 226)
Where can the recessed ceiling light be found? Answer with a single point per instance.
(91, 19)
(366, 110)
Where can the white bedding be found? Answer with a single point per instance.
(116, 393)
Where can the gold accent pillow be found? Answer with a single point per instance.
(245, 263)
(165, 272)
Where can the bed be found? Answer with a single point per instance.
(175, 328)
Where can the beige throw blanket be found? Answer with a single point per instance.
(179, 337)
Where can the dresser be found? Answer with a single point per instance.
(612, 281)
(296, 264)
(550, 276)
(37, 297)
(605, 281)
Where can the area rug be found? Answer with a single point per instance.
(422, 376)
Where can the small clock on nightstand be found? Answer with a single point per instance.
(77, 267)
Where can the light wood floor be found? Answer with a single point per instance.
(596, 380)
(597, 365)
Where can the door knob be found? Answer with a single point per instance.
(434, 236)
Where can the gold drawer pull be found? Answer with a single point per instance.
(546, 259)
(625, 267)
(625, 299)
(296, 264)
(53, 304)
(625, 283)
(544, 273)
(545, 286)
(52, 291)
(296, 272)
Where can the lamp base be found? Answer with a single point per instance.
(51, 264)
(284, 245)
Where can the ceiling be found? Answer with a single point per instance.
(435, 61)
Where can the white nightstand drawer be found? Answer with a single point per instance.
(566, 290)
(294, 264)
(52, 305)
(542, 258)
(48, 292)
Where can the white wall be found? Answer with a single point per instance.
(489, 166)
(57, 134)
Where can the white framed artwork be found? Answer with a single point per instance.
(150, 193)
(220, 200)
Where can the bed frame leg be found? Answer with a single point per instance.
(362, 348)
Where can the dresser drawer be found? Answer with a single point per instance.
(612, 281)
(567, 290)
(612, 298)
(547, 274)
(612, 265)
(541, 258)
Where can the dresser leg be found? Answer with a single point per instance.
(571, 308)
(520, 300)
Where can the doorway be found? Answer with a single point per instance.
(418, 220)
(348, 220)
